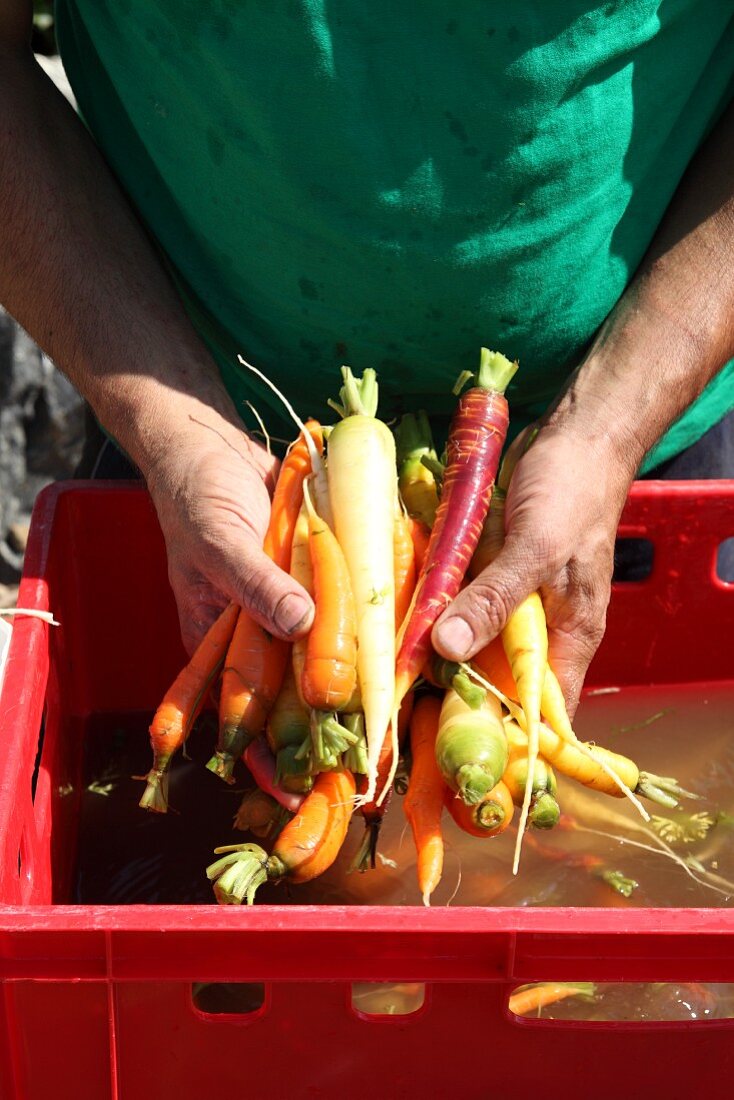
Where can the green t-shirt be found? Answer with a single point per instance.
(396, 184)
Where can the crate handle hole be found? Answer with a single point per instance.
(228, 998)
(725, 561)
(377, 999)
(628, 1002)
(633, 560)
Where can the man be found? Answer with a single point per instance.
(389, 186)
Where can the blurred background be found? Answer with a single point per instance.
(41, 414)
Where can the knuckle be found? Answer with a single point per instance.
(487, 605)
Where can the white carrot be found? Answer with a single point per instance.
(361, 469)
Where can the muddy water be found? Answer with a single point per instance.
(127, 856)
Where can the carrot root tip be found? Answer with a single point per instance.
(238, 874)
(472, 783)
(155, 795)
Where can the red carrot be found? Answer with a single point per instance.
(476, 437)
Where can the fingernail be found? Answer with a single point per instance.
(292, 613)
(455, 637)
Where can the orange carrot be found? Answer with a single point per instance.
(492, 662)
(531, 998)
(423, 804)
(288, 495)
(301, 571)
(490, 817)
(256, 660)
(405, 567)
(181, 704)
(421, 535)
(330, 668)
(307, 846)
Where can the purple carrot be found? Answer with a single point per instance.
(476, 438)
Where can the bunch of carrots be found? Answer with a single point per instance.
(383, 534)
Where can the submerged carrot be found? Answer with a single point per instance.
(484, 819)
(476, 437)
(531, 998)
(307, 846)
(181, 704)
(330, 668)
(423, 803)
(586, 764)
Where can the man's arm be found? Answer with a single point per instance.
(79, 273)
(669, 335)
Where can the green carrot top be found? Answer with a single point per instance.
(358, 396)
(494, 375)
(413, 438)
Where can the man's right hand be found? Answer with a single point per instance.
(211, 496)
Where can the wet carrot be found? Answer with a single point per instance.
(487, 818)
(307, 846)
(423, 803)
(181, 704)
(531, 998)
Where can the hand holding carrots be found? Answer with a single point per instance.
(212, 496)
(561, 516)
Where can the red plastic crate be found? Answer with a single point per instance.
(96, 1001)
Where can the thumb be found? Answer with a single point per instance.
(271, 596)
(238, 571)
(481, 610)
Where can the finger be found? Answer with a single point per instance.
(481, 610)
